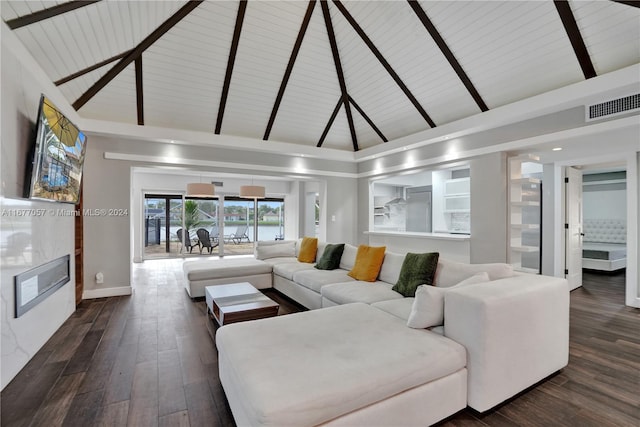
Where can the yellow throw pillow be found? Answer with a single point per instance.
(308, 249)
(368, 263)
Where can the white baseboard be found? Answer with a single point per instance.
(106, 292)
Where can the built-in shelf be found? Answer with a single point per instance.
(525, 203)
(525, 248)
(521, 181)
(526, 226)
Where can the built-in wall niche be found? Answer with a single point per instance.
(422, 202)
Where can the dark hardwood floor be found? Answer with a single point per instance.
(148, 360)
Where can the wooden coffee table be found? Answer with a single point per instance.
(237, 302)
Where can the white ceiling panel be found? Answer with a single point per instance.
(184, 70)
(371, 86)
(268, 34)
(611, 33)
(339, 136)
(510, 50)
(428, 75)
(116, 101)
(312, 92)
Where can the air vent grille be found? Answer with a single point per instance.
(613, 107)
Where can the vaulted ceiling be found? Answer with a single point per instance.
(339, 74)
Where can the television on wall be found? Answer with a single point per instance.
(55, 166)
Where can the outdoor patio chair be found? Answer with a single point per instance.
(239, 235)
(186, 242)
(214, 234)
(205, 240)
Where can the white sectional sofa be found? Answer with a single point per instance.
(352, 359)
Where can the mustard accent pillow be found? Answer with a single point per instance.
(308, 249)
(368, 263)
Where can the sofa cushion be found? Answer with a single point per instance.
(330, 259)
(417, 269)
(287, 249)
(368, 262)
(428, 305)
(315, 279)
(280, 260)
(308, 249)
(359, 291)
(450, 272)
(348, 259)
(391, 266)
(217, 269)
(312, 367)
(400, 307)
(287, 269)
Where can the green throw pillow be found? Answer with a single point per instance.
(330, 259)
(417, 269)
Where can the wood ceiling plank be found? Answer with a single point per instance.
(91, 68)
(242, 8)
(573, 32)
(139, 92)
(384, 62)
(338, 64)
(368, 120)
(135, 52)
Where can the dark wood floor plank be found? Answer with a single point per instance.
(67, 348)
(54, 410)
(202, 409)
(83, 409)
(105, 314)
(120, 381)
(177, 419)
(101, 365)
(171, 391)
(81, 359)
(113, 415)
(143, 405)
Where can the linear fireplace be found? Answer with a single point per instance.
(35, 285)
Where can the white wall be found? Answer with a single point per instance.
(610, 204)
(49, 236)
(488, 208)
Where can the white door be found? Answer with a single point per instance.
(573, 227)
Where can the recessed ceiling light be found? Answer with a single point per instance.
(557, 149)
(301, 155)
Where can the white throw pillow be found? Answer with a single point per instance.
(428, 305)
(287, 249)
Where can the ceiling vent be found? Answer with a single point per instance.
(614, 107)
(217, 183)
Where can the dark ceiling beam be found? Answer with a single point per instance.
(330, 122)
(384, 62)
(47, 13)
(435, 35)
(139, 94)
(90, 69)
(136, 52)
(339, 71)
(287, 73)
(242, 8)
(368, 120)
(579, 48)
(634, 3)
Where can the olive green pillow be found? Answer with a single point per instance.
(330, 259)
(417, 269)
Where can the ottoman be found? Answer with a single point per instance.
(203, 273)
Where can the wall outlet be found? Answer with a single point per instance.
(99, 278)
(333, 218)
